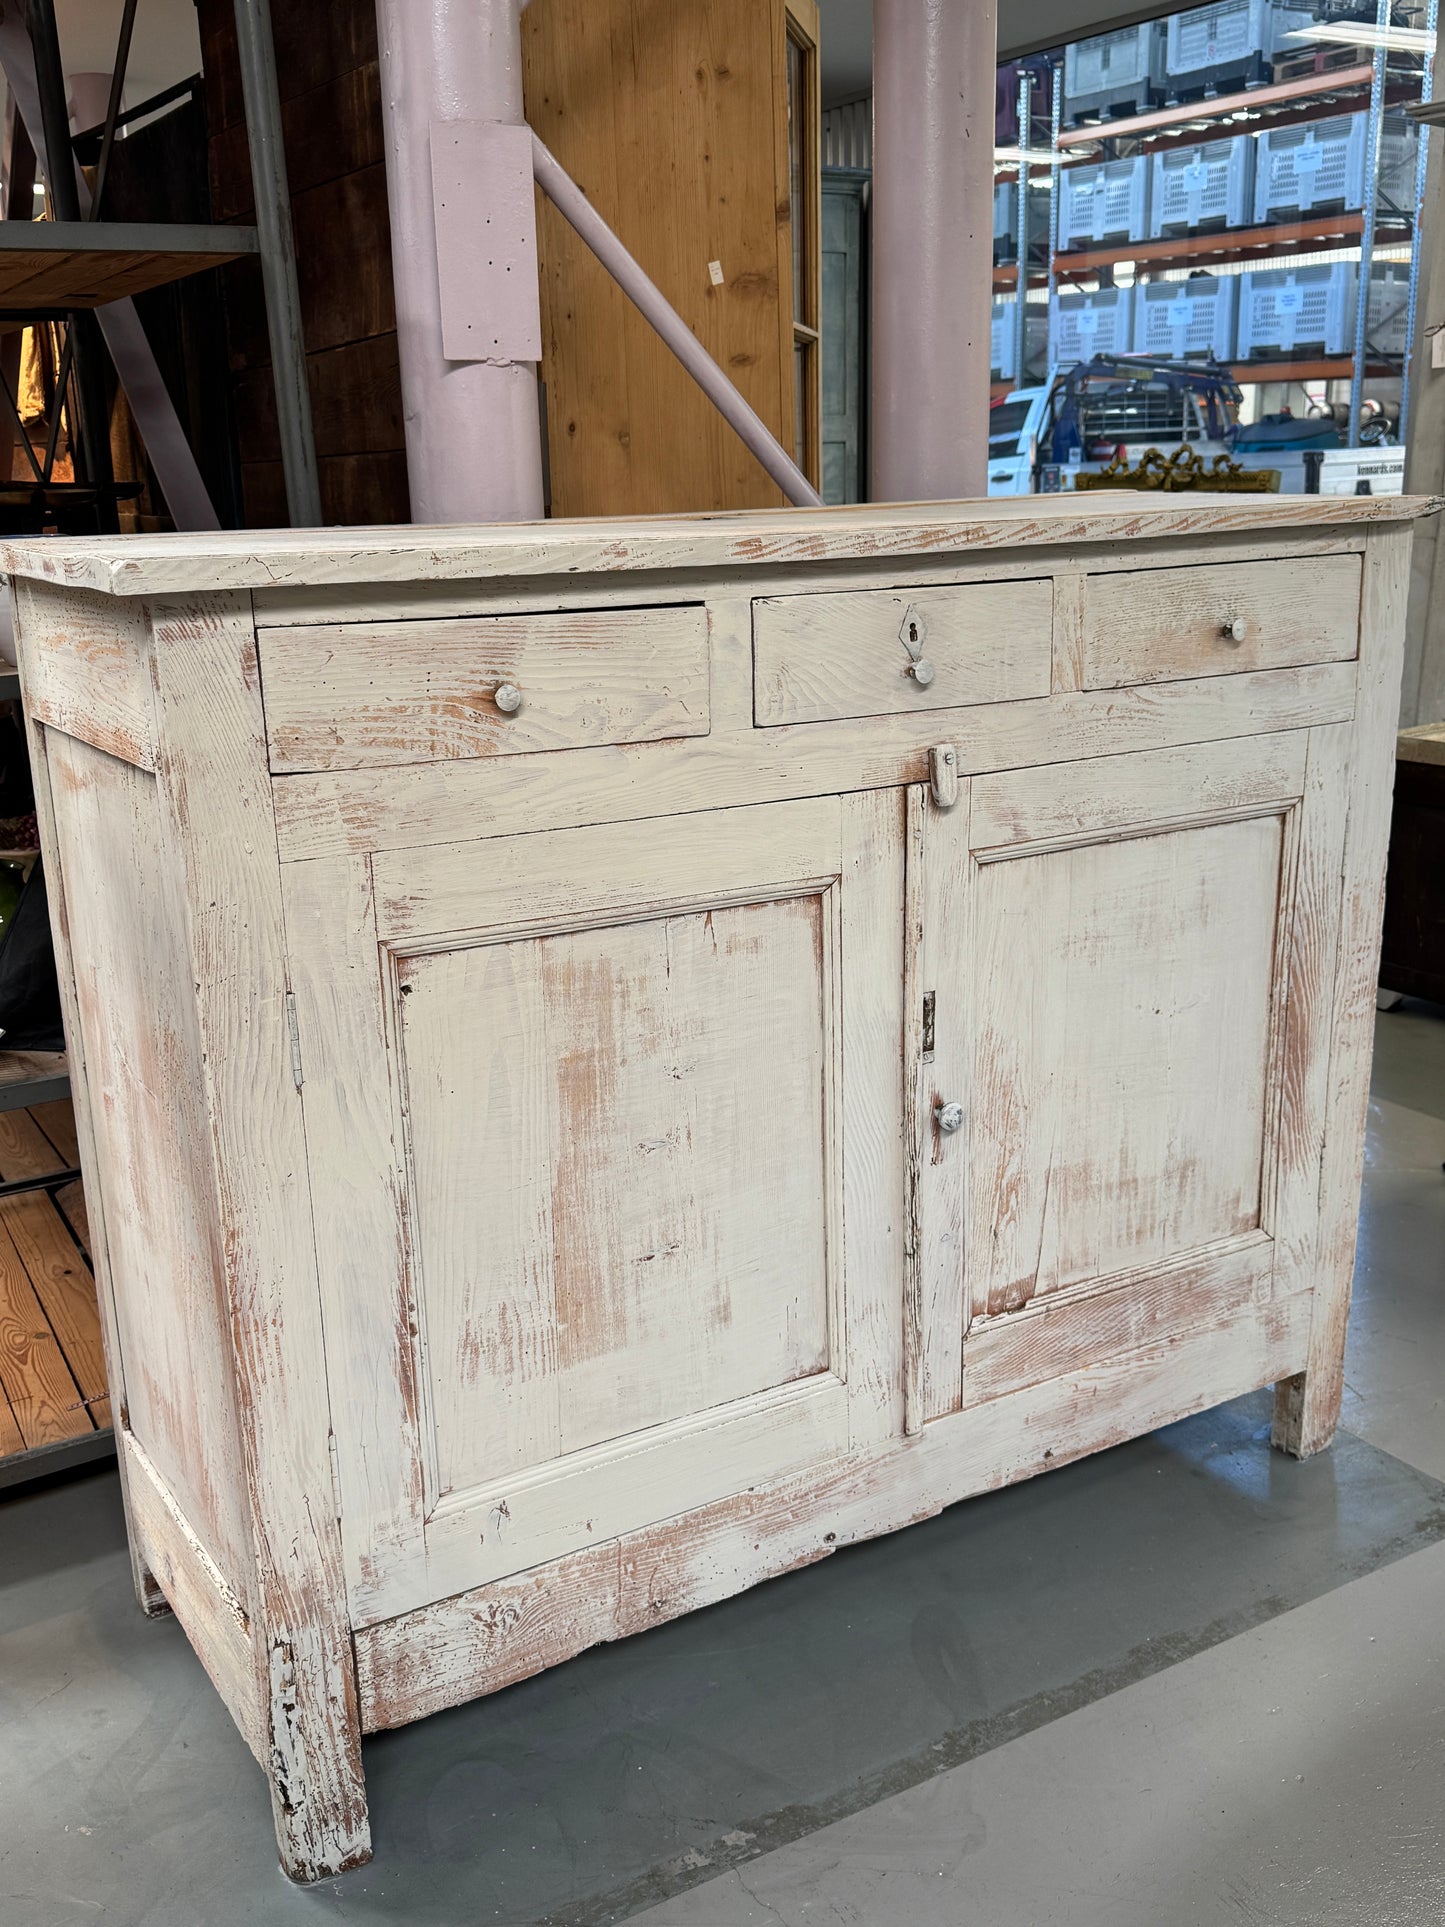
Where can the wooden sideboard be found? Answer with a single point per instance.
(1412, 959)
(615, 1059)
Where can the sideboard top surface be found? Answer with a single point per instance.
(245, 559)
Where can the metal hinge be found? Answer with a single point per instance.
(295, 1030)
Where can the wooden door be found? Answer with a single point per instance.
(843, 320)
(584, 1109)
(1130, 963)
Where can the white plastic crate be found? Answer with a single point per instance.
(1006, 215)
(1082, 325)
(1229, 34)
(1282, 310)
(1399, 149)
(1194, 186)
(1183, 318)
(1106, 201)
(1322, 164)
(1001, 340)
(1109, 70)
(1386, 323)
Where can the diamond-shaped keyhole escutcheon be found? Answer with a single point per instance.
(912, 633)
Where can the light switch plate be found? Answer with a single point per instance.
(486, 229)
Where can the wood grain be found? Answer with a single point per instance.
(635, 1231)
(353, 696)
(49, 277)
(43, 1397)
(66, 1291)
(1159, 625)
(150, 1160)
(220, 844)
(178, 564)
(821, 657)
(666, 117)
(337, 813)
(87, 677)
(1121, 1087)
(559, 1154)
(477, 1642)
(1308, 1408)
(212, 1615)
(148, 1593)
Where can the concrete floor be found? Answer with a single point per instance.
(1185, 1681)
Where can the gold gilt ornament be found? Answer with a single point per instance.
(1184, 469)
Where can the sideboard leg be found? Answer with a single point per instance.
(318, 1792)
(153, 1602)
(1306, 1412)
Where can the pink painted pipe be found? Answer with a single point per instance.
(932, 232)
(578, 211)
(473, 428)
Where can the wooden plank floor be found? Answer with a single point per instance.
(52, 1373)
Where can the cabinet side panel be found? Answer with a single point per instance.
(143, 1060)
(85, 668)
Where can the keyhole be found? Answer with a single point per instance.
(913, 632)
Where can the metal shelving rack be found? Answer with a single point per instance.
(77, 261)
(63, 270)
(1290, 102)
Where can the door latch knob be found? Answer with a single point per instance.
(948, 1117)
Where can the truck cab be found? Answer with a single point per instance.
(1040, 439)
(1013, 428)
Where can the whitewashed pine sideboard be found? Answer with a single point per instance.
(615, 1059)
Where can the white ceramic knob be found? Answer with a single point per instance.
(1235, 630)
(922, 672)
(949, 1117)
(508, 698)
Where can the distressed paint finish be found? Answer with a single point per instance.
(220, 844)
(150, 1161)
(821, 657)
(1161, 625)
(553, 1132)
(335, 700)
(621, 1263)
(1308, 1406)
(89, 679)
(365, 558)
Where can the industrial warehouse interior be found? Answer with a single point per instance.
(722, 963)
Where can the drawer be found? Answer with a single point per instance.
(354, 695)
(1216, 619)
(820, 657)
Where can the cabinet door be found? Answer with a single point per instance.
(585, 1109)
(1130, 962)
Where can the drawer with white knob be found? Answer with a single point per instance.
(363, 695)
(887, 652)
(1216, 619)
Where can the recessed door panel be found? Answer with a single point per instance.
(1122, 1054)
(624, 1176)
(620, 1168)
(1119, 1090)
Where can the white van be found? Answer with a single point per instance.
(1013, 427)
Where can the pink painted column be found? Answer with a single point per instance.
(458, 156)
(932, 234)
